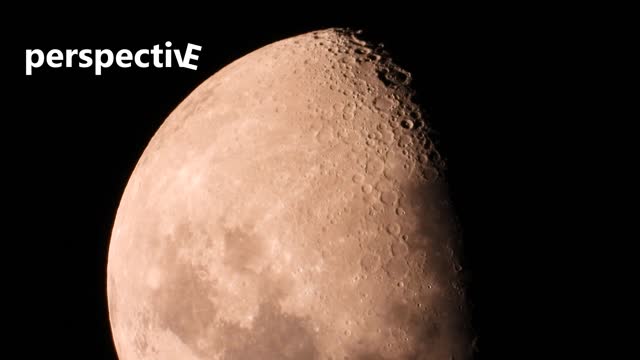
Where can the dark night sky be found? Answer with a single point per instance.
(74, 138)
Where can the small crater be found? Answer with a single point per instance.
(423, 159)
(396, 268)
(407, 124)
(344, 134)
(430, 173)
(399, 248)
(389, 198)
(387, 137)
(383, 103)
(375, 167)
(404, 141)
(325, 135)
(370, 262)
(393, 229)
(397, 76)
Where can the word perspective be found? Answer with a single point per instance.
(104, 58)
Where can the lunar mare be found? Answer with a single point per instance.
(291, 207)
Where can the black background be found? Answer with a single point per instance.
(72, 139)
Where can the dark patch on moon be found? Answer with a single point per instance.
(182, 303)
(183, 233)
(140, 339)
(274, 335)
(241, 248)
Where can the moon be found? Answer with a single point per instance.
(293, 206)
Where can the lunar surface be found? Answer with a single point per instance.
(292, 207)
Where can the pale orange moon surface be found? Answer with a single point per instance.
(291, 207)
